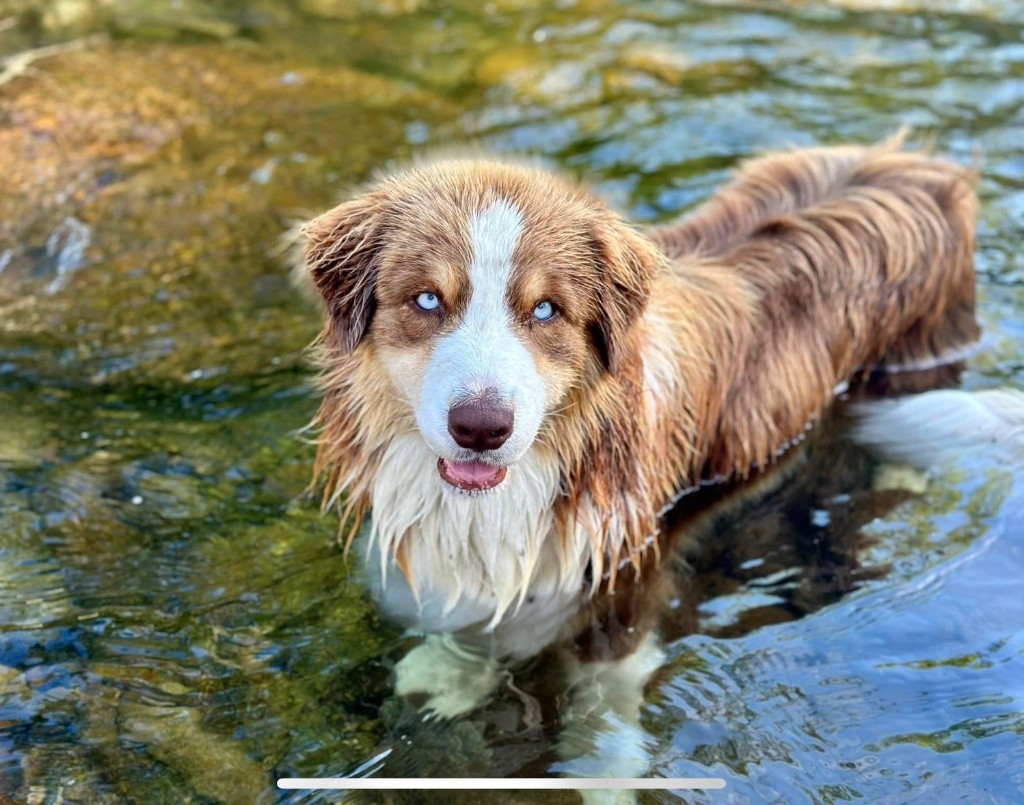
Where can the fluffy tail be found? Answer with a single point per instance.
(928, 429)
(767, 188)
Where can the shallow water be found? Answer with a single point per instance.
(175, 621)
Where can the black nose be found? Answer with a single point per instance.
(481, 424)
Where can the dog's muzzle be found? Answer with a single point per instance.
(481, 424)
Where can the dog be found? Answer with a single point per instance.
(518, 382)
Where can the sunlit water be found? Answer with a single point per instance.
(175, 621)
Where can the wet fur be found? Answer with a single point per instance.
(698, 351)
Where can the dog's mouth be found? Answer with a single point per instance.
(471, 476)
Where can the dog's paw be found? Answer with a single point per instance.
(444, 678)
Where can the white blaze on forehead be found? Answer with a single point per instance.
(493, 355)
(493, 236)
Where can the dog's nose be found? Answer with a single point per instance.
(481, 424)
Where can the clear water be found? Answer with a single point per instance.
(175, 621)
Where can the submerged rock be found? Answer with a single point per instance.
(145, 193)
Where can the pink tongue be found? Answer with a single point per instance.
(472, 472)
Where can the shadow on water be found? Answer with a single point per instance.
(175, 621)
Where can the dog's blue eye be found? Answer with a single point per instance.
(428, 301)
(544, 311)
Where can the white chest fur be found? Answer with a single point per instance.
(487, 563)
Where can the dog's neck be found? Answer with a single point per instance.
(492, 562)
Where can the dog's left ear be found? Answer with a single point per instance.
(627, 262)
(341, 258)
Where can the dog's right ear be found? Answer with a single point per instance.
(627, 263)
(340, 257)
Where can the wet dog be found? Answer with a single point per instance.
(517, 381)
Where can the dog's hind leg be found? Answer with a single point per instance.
(947, 329)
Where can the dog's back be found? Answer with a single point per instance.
(812, 266)
(774, 186)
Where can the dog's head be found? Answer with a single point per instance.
(488, 292)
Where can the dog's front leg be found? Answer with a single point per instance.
(447, 677)
(601, 734)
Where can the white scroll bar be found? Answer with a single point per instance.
(498, 784)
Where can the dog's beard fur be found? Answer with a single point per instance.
(471, 559)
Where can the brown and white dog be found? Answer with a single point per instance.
(518, 381)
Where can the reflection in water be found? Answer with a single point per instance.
(175, 622)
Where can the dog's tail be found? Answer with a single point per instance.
(929, 429)
(767, 188)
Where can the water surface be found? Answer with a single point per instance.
(175, 620)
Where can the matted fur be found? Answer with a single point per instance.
(697, 351)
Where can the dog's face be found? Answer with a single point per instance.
(488, 292)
